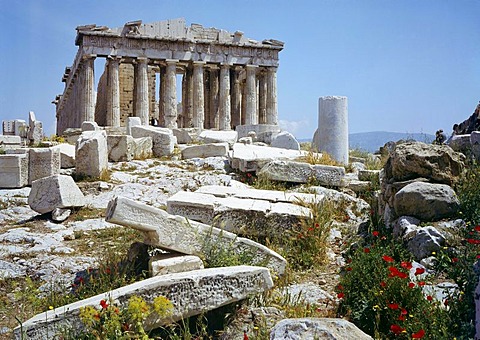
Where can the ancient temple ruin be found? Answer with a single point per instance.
(227, 79)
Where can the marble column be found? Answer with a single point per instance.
(224, 98)
(214, 98)
(170, 99)
(141, 97)
(272, 110)
(251, 117)
(198, 95)
(87, 103)
(189, 105)
(113, 92)
(236, 98)
(161, 96)
(243, 106)
(262, 99)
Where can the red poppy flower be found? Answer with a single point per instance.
(97, 316)
(419, 271)
(393, 305)
(478, 256)
(340, 295)
(317, 225)
(421, 283)
(402, 318)
(383, 284)
(418, 335)
(396, 329)
(375, 233)
(445, 302)
(339, 287)
(387, 258)
(477, 228)
(366, 250)
(402, 275)
(429, 298)
(411, 285)
(104, 304)
(473, 241)
(406, 265)
(404, 311)
(454, 259)
(349, 269)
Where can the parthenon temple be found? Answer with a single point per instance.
(226, 78)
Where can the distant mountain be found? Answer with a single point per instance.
(372, 141)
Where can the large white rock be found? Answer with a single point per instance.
(43, 162)
(67, 155)
(13, 170)
(185, 135)
(132, 121)
(163, 138)
(10, 142)
(143, 147)
(173, 263)
(245, 157)
(317, 328)
(424, 241)
(191, 293)
(426, 201)
(91, 154)
(299, 172)
(205, 150)
(182, 235)
(263, 132)
(57, 191)
(121, 148)
(212, 136)
(285, 140)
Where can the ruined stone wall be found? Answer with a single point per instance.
(101, 104)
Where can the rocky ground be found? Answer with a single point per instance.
(52, 253)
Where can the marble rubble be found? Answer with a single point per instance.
(91, 154)
(162, 264)
(205, 150)
(13, 170)
(43, 162)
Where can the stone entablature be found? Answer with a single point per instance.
(227, 79)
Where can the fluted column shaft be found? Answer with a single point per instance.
(262, 99)
(236, 98)
(224, 99)
(87, 104)
(141, 83)
(171, 94)
(113, 92)
(251, 117)
(272, 110)
(214, 99)
(198, 95)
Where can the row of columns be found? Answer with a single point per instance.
(221, 100)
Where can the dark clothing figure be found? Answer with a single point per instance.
(440, 137)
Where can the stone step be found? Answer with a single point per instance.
(185, 236)
(191, 293)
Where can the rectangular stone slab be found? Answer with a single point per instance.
(191, 293)
(185, 236)
(13, 171)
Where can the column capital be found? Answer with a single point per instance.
(114, 57)
(226, 65)
(271, 68)
(199, 63)
(171, 61)
(141, 60)
(251, 66)
(88, 56)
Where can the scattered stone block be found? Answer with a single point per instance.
(212, 136)
(143, 148)
(475, 144)
(57, 191)
(60, 214)
(179, 234)
(173, 263)
(89, 126)
(35, 129)
(121, 148)
(185, 135)
(72, 135)
(162, 138)
(285, 140)
(13, 170)
(460, 143)
(426, 201)
(133, 121)
(67, 155)
(263, 132)
(43, 162)
(205, 150)
(191, 293)
(424, 241)
(10, 142)
(317, 328)
(253, 157)
(369, 175)
(91, 154)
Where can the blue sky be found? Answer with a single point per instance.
(405, 65)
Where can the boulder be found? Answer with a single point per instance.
(424, 241)
(13, 170)
(67, 155)
(143, 147)
(285, 140)
(89, 126)
(263, 132)
(179, 234)
(317, 328)
(121, 148)
(10, 142)
(57, 191)
(426, 201)
(475, 144)
(369, 175)
(460, 143)
(212, 136)
(162, 138)
(190, 293)
(91, 154)
(437, 163)
(205, 150)
(35, 129)
(43, 162)
(185, 135)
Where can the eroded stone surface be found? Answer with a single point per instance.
(205, 150)
(91, 154)
(162, 138)
(13, 171)
(191, 293)
(43, 162)
(285, 140)
(121, 148)
(67, 155)
(173, 263)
